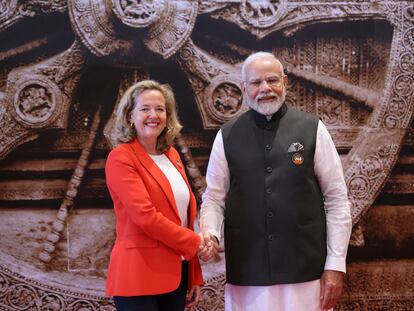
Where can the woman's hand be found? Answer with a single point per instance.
(208, 248)
(193, 296)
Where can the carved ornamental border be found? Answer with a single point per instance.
(382, 286)
(367, 166)
(21, 293)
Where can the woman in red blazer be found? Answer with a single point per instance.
(154, 260)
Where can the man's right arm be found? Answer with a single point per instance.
(218, 182)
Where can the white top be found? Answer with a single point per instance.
(328, 170)
(177, 183)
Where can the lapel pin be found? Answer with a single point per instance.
(297, 158)
(178, 164)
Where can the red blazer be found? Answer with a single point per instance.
(146, 257)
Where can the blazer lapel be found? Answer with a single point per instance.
(156, 173)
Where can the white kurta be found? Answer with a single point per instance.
(301, 296)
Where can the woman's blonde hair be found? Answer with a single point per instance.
(125, 130)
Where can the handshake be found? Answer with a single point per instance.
(209, 247)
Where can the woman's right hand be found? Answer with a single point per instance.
(209, 247)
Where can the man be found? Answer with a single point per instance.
(275, 178)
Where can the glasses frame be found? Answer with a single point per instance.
(248, 84)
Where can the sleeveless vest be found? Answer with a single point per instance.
(275, 225)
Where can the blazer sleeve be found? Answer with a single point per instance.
(123, 179)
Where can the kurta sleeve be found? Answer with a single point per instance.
(328, 169)
(218, 183)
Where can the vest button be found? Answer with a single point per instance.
(269, 169)
(269, 190)
(270, 214)
(270, 237)
(268, 147)
(268, 127)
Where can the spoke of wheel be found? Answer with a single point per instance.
(197, 180)
(368, 98)
(24, 48)
(71, 192)
(60, 80)
(19, 11)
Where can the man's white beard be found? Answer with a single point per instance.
(269, 108)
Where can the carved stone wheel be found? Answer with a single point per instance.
(360, 82)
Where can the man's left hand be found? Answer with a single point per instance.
(331, 288)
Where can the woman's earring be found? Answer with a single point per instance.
(131, 125)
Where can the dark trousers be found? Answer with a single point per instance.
(172, 301)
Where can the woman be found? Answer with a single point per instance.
(153, 262)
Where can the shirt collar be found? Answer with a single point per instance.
(262, 121)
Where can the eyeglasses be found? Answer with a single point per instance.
(274, 81)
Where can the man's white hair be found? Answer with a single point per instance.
(256, 56)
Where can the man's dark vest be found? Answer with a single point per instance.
(275, 227)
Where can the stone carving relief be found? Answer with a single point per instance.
(379, 282)
(38, 97)
(167, 25)
(208, 6)
(91, 21)
(6, 8)
(212, 81)
(13, 11)
(383, 117)
(227, 99)
(138, 14)
(128, 33)
(20, 293)
(35, 104)
(262, 13)
(173, 29)
(290, 17)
